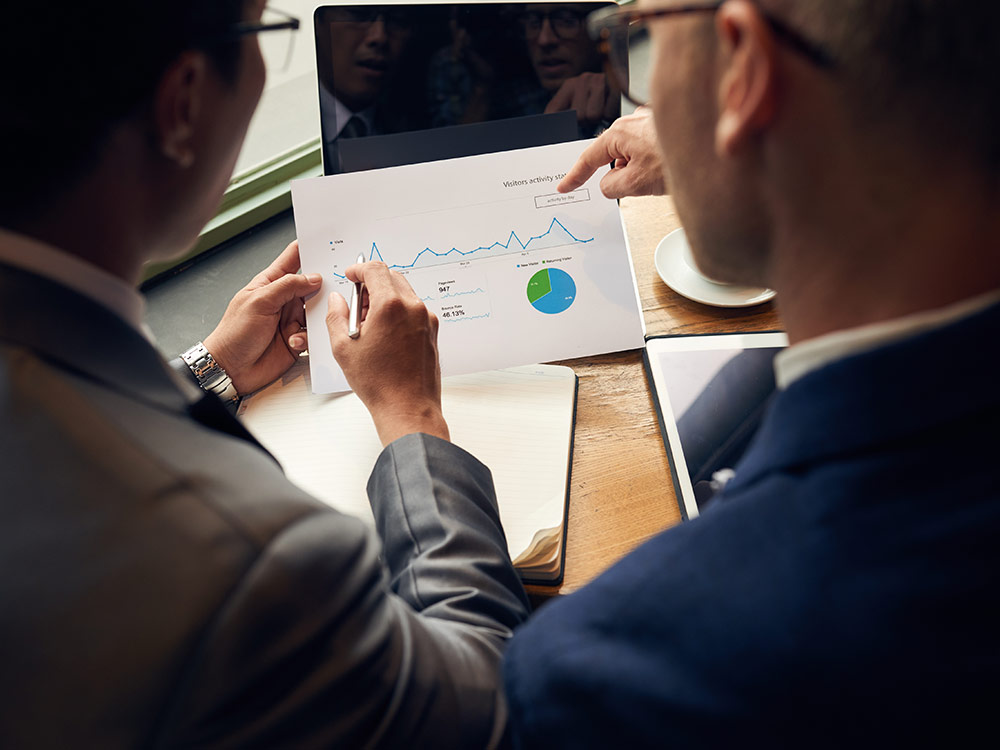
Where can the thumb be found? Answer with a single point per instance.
(627, 181)
(336, 314)
(295, 335)
(617, 183)
(280, 292)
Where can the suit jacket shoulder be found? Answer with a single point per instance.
(184, 592)
(831, 597)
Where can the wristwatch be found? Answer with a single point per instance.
(209, 375)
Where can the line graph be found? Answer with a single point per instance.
(557, 235)
(449, 295)
(462, 294)
(452, 319)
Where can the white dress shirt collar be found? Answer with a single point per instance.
(794, 362)
(67, 270)
(335, 114)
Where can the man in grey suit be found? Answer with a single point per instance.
(162, 583)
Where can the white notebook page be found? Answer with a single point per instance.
(517, 421)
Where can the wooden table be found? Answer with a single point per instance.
(620, 489)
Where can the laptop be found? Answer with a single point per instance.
(402, 82)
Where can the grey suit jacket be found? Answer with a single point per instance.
(162, 584)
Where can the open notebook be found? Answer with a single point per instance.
(517, 421)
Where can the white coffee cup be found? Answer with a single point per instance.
(689, 260)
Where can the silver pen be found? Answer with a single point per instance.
(354, 327)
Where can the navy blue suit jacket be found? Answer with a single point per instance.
(841, 592)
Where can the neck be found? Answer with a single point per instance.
(863, 249)
(80, 230)
(109, 218)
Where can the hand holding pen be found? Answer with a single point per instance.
(392, 363)
(354, 327)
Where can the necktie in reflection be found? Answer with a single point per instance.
(355, 128)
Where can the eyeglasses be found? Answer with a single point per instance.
(565, 24)
(620, 31)
(396, 20)
(275, 47)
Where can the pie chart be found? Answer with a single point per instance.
(551, 291)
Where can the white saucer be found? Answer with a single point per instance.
(673, 263)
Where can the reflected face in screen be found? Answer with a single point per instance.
(558, 44)
(365, 47)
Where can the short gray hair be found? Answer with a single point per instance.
(934, 61)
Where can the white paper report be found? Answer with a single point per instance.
(516, 272)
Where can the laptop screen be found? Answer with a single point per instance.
(404, 83)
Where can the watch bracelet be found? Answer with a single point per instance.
(209, 374)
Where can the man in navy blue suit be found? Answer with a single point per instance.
(840, 591)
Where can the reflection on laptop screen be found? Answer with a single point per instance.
(408, 83)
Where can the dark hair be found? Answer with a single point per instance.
(70, 71)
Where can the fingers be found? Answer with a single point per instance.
(381, 283)
(295, 334)
(593, 98)
(386, 294)
(633, 178)
(563, 98)
(367, 273)
(393, 365)
(588, 94)
(336, 315)
(292, 326)
(632, 145)
(612, 100)
(299, 341)
(619, 183)
(287, 262)
(275, 295)
(595, 156)
(378, 285)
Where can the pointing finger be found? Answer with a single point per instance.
(595, 156)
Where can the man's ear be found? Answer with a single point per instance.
(177, 106)
(748, 87)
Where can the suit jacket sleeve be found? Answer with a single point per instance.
(325, 643)
(179, 366)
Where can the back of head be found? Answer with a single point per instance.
(927, 64)
(71, 71)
